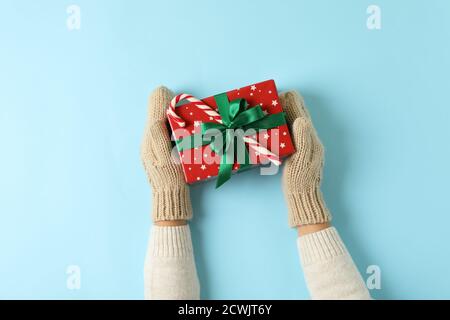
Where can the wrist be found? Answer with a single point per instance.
(170, 223)
(312, 228)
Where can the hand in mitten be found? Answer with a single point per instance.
(303, 170)
(171, 201)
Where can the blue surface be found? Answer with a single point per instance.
(72, 112)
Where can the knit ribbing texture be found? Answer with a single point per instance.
(171, 241)
(320, 246)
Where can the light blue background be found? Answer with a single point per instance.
(72, 112)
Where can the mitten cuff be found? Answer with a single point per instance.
(307, 208)
(172, 204)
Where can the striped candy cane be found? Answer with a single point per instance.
(198, 103)
(255, 145)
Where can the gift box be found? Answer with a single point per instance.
(229, 132)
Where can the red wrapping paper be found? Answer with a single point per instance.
(201, 163)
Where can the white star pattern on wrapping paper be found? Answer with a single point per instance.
(255, 96)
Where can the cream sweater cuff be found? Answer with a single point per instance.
(171, 242)
(320, 246)
(169, 271)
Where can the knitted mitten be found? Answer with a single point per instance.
(171, 199)
(303, 170)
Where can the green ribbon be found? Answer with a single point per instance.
(235, 115)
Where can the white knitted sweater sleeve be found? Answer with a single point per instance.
(329, 270)
(169, 271)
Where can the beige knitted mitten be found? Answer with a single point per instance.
(171, 199)
(303, 170)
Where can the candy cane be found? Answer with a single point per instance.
(255, 145)
(198, 103)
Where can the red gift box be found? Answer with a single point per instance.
(201, 162)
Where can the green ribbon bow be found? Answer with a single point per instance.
(236, 118)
